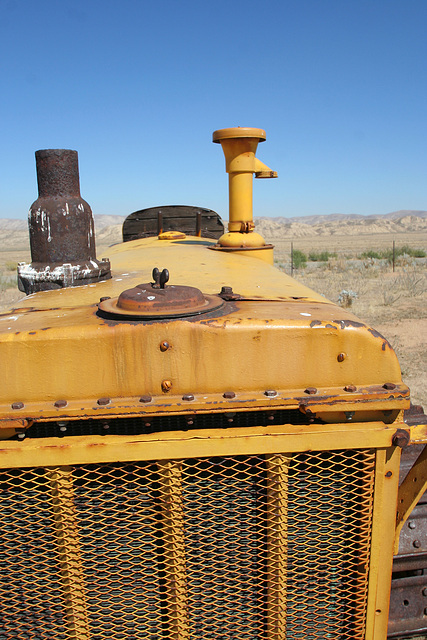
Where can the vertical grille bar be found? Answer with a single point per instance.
(61, 481)
(277, 544)
(173, 542)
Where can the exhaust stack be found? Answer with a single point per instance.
(61, 227)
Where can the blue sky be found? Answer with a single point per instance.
(138, 87)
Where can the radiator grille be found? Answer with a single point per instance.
(235, 548)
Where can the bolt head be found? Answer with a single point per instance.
(103, 401)
(341, 357)
(164, 345)
(350, 388)
(310, 390)
(227, 290)
(188, 397)
(416, 544)
(59, 404)
(412, 525)
(166, 385)
(389, 386)
(401, 438)
(17, 405)
(270, 393)
(228, 395)
(145, 399)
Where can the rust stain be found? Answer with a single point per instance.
(350, 323)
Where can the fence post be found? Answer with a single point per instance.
(292, 258)
(394, 253)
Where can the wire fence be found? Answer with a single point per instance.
(297, 254)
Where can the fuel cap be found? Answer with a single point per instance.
(155, 300)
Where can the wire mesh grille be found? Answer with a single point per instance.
(245, 548)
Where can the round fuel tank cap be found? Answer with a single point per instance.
(155, 300)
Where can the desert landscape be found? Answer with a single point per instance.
(348, 259)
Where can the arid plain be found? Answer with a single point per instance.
(348, 260)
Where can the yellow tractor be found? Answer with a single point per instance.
(194, 445)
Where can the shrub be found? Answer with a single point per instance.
(320, 256)
(346, 297)
(372, 254)
(300, 259)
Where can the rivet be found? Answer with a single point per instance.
(17, 405)
(21, 436)
(166, 385)
(388, 474)
(310, 390)
(190, 421)
(350, 388)
(105, 425)
(341, 357)
(425, 591)
(228, 395)
(389, 386)
(103, 401)
(270, 393)
(188, 397)
(230, 417)
(416, 544)
(145, 399)
(63, 428)
(271, 416)
(425, 611)
(104, 298)
(412, 525)
(59, 404)
(164, 345)
(148, 424)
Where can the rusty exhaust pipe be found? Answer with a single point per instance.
(61, 227)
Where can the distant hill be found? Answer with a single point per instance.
(339, 217)
(14, 233)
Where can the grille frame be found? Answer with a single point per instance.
(272, 442)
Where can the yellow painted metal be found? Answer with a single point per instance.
(55, 347)
(410, 491)
(173, 538)
(239, 145)
(277, 559)
(382, 542)
(195, 443)
(72, 579)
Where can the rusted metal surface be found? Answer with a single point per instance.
(156, 300)
(408, 603)
(408, 606)
(415, 415)
(61, 229)
(193, 221)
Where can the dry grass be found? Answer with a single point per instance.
(394, 303)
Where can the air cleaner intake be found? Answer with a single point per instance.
(61, 229)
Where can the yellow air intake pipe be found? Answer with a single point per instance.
(239, 145)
